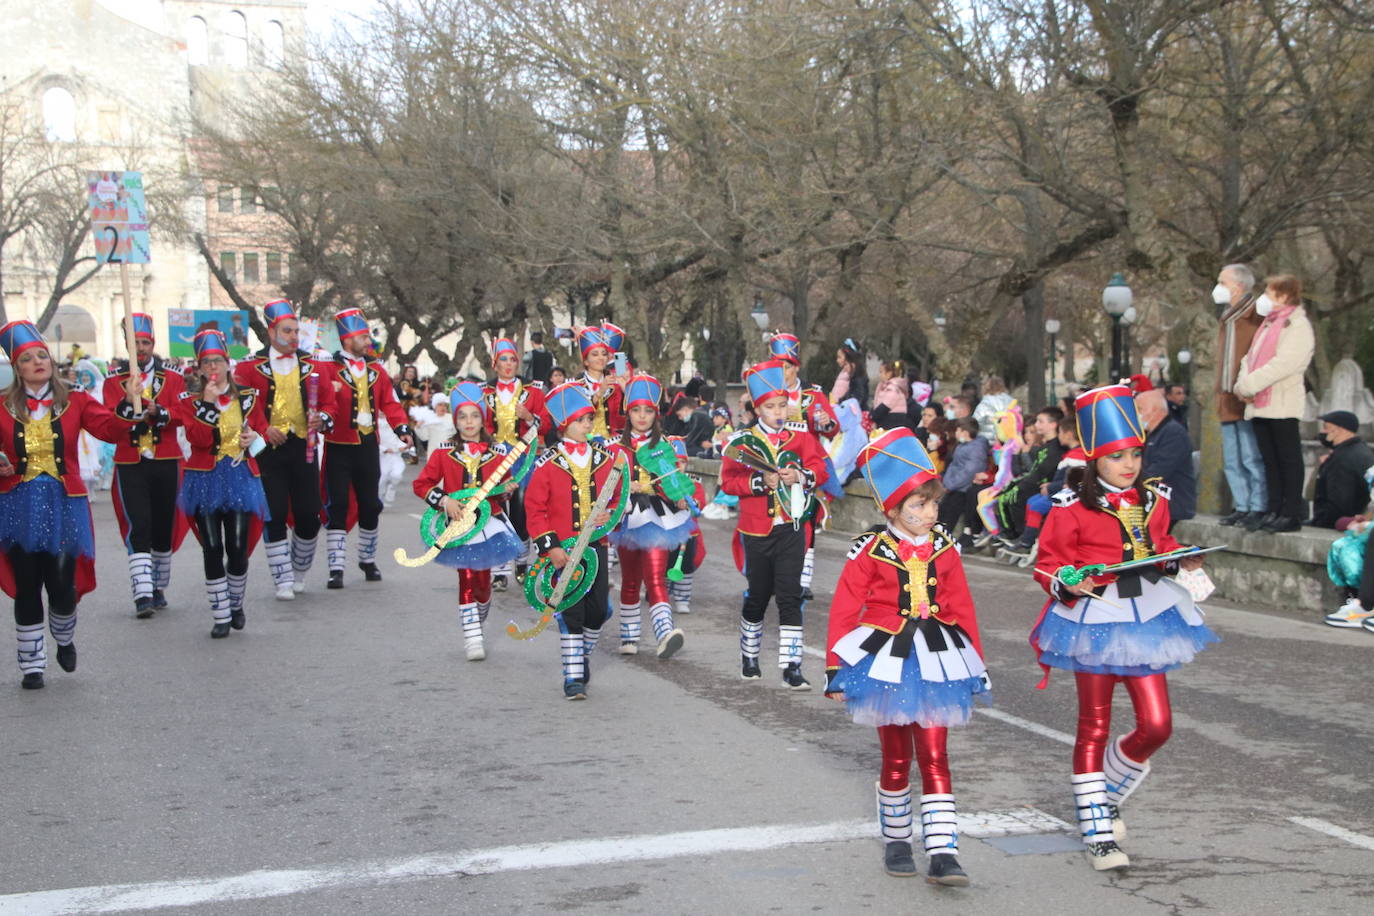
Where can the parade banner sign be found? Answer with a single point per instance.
(119, 217)
(184, 324)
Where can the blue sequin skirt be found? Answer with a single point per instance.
(228, 487)
(1128, 649)
(941, 699)
(38, 516)
(494, 546)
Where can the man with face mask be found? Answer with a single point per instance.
(1341, 489)
(1239, 319)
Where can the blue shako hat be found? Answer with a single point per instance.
(643, 389)
(18, 336)
(566, 403)
(893, 464)
(1107, 421)
(277, 310)
(467, 393)
(785, 347)
(765, 380)
(210, 342)
(351, 323)
(143, 326)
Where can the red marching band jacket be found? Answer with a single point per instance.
(804, 404)
(257, 373)
(611, 411)
(529, 395)
(759, 506)
(556, 504)
(447, 472)
(202, 427)
(164, 390)
(344, 430)
(876, 590)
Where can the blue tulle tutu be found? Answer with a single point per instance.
(226, 488)
(650, 536)
(930, 704)
(39, 517)
(497, 550)
(1129, 649)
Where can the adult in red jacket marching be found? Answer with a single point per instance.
(809, 410)
(287, 379)
(470, 461)
(352, 466)
(148, 472)
(770, 549)
(599, 345)
(512, 404)
(220, 489)
(559, 498)
(903, 650)
(1129, 628)
(46, 538)
(653, 526)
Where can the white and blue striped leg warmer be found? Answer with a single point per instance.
(750, 638)
(789, 646)
(1123, 774)
(571, 646)
(218, 592)
(939, 825)
(367, 545)
(682, 593)
(1094, 814)
(472, 625)
(279, 562)
(336, 546)
(302, 554)
(237, 586)
(808, 567)
(162, 568)
(590, 638)
(629, 622)
(141, 574)
(662, 617)
(483, 607)
(894, 814)
(32, 658)
(63, 627)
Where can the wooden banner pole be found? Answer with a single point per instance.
(130, 338)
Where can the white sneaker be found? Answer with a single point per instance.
(628, 647)
(476, 651)
(684, 608)
(298, 585)
(1350, 615)
(285, 592)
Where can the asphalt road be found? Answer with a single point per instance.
(340, 756)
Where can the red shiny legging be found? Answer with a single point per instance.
(643, 567)
(1153, 719)
(897, 742)
(474, 586)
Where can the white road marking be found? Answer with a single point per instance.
(1333, 830)
(259, 885)
(415, 515)
(1035, 727)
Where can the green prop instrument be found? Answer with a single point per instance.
(660, 460)
(796, 502)
(552, 591)
(675, 573)
(1074, 575)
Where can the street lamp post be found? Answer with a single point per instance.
(759, 313)
(1052, 328)
(1116, 299)
(1127, 320)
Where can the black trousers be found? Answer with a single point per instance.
(773, 568)
(290, 483)
(515, 512)
(1280, 445)
(1366, 592)
(359, 467)
(952, 507)
(148, 498)
(35, 572)
(224, 537)
(590, 613)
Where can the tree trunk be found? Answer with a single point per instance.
(1033, 307)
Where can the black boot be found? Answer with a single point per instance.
(144, 608)
(236, 618)
(159, 599)
(897, 859)
(945, 870)
(335, 579)
(792, 677)
(1257, 520)
(219, 630)
(749, 669)
(1234, 518)
(370, 572)
(66, 657)
(32, 681)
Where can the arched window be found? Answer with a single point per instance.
(197, 42)
(274, 44)
(235, 39)
(59, 114)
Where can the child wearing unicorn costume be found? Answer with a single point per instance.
(1129, 628)
(653, 525)
(471, 460)
(904, 653)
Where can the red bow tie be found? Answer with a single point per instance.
(906, 550)
(1124, 498)
(575, 448)
(224, 401)
(476, 448)
(505, 386)
(357, 365)
(35, 403)
(777, 438)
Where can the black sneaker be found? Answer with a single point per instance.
(219, 630)
(1254, 521)
(1234, 518)
(945, 870)
(66, 657)
(1282, 524)
(792, 677)
(1107, 856)
(749, 669)
(574, 690)
(807, 594)
(236, 618)
(370, 572)
(32, 681)
(144, 608)
(897, 859)
(335, 579)
(499, 583)
(159, 599)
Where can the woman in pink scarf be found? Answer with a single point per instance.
(1270, 383)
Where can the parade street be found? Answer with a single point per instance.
(340, 756)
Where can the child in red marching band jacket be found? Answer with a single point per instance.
(47, 542)
(599, 345)
(769, 549)
(562, 489)
(512, 405)
(652, 527)
(220, 489)
(470, 461)
(904, 653)
(1127, 628)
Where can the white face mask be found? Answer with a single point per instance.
(1264, 305)
(1221, 295)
